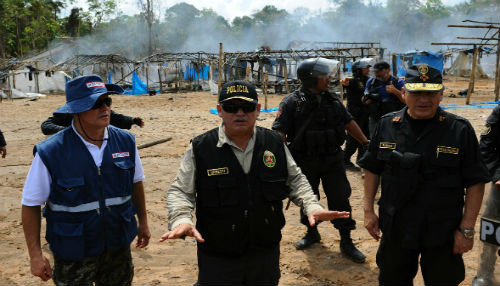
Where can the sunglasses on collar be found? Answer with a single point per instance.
(99, 103)
(231, 107)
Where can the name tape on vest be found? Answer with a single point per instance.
(387, 145)
(120, 155)
(447, 150)
(218, 172)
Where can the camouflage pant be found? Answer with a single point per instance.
(109, 268)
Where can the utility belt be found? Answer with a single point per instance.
(319, 142)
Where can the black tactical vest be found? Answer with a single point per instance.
(325, 131)
(234, 210)
(423, 199)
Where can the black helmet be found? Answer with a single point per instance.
(357, 65)
(309, 70)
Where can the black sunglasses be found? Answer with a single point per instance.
(231, 107)
(98, 104)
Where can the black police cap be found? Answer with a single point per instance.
(238, 90)
(423, 77)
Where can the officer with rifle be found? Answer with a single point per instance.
(313, 122)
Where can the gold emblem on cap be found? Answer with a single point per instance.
(237, 88)
(423, 70)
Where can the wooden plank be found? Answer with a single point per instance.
(474, 26)
(221, 72)
(497, 72)
(156, 142)
(470, 90)
(265, 90)
(285, 73)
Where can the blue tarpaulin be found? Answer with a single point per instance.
(194, 73)
(109, 78)
(138, 87)
(435, 60)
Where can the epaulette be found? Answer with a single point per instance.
(396, 118)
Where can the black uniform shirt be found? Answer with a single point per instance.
(490, 144)
(301, 101)
(472, 167)
(355, 91)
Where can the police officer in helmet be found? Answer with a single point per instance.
(428, 161)
(313, 123)
(355, 88)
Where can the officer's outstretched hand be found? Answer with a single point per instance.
(40, 267)
(462, 244)
(371, 224)
(324, 215)
(182, 230)
(3, 151)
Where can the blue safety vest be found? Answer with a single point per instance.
(89, 208)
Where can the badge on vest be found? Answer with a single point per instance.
(218, 172)
(269, 159)
(120, 155)
(387, 145)
(447, 150)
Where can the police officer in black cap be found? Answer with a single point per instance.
(313, 122)
(355, 88)
(428, 160)
(383, 93)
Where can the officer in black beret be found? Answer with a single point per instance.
(314, 122)
(427, 160)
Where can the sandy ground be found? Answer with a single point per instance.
(182, 116)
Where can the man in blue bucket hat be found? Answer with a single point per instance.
(89, 176)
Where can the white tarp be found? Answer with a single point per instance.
(48, 84)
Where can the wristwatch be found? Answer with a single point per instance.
(468, 233)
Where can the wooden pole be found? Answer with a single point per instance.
(247, 73)
(221, 72)
(156, 142)
(285, 73)
(36, 78)
(265, 90)
(159, 76)
(470, 90)
(341, 87)
(146, 69)
(10, 87)
(497, 72)
(13, 79)
(394, 65)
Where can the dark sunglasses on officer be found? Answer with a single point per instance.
(234, 107)
(101, 101)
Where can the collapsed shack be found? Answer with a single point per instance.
(276, 69)
(462, 63)
(171, 72)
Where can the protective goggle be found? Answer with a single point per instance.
(246, 107)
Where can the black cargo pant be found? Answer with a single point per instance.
(112, 267)
(351, 144)
(398, 264)
(255, 267)
(330, 170)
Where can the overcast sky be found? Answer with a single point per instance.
(234, 8)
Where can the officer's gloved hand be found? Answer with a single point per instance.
(139, 122)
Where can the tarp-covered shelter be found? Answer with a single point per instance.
(462, 66)
(405, 60)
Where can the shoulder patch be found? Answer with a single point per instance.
(396, 118)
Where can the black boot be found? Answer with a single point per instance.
(348, 249)
(312, 236)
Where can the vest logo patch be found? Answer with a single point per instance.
(120, 155)
(447, 150)
(269, 159)
(387, 145)
(218, 172)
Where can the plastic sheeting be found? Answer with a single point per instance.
(195, 73)
(472, 105)
(138, 86)
(403, 61)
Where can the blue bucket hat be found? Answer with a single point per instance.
(82, 93)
